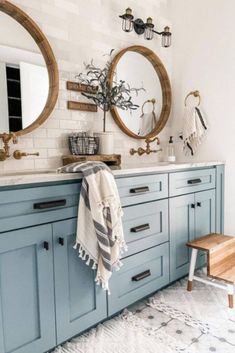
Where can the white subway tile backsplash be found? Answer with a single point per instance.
(74, 41)
(53, 133)
(68, 6)
(48, 163)
(19, 165)
(46, 143)
(70, 124)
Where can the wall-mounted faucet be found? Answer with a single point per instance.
(5, 151)
(140, 151)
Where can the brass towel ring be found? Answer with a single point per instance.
(153, 101)
(196, 94)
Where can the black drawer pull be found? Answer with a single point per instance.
(194, 181)
(141, 276)
(61, 241)
(140, 228)
(46, 245)
(49, 204)
(138, 190)
(199, 204)
(192, 205)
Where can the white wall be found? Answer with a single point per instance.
(204, 58)
(79, 30)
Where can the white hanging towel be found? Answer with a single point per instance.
(100, 239)
(148, 122)
(194, 129)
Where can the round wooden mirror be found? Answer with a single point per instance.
(141, 68)
(28, 73)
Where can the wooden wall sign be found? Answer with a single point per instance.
(86, 107)
(81, 87)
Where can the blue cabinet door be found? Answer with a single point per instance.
(182, 229)
(80, 303)
(27, 316)
(204, 218)
(191, 216)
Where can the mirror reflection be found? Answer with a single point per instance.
(138, 71)
(24, 82)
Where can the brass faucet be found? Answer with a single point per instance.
(5, 151)
(19, 154)
(140, 151)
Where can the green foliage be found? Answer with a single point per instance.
(108, 94)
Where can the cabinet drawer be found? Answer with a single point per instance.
(133, 190)
(29, 206)
(140, 275)
(145, 225)
(191, 181)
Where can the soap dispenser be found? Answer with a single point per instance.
(171, 150)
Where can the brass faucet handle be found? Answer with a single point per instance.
(149, 140)
(3, 155)
(14, 139)
(133, 151)
(19, 154)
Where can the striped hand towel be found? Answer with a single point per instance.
(194, 129)
(100, 239)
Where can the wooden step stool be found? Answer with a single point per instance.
(220, 251)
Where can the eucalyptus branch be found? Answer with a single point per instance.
(118, 94)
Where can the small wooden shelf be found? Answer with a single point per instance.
(109, 159)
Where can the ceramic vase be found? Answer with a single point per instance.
(106, 142)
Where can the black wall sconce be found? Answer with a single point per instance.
(129, 23)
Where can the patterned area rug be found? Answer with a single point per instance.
(171, 321)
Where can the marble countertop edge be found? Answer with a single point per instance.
(46, 176)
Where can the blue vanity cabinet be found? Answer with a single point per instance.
(27, 316)
(80, 303)
(48, 294)
(191, 216)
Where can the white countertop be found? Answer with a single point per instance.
(45, 176)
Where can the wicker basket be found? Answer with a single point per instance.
(81, 144)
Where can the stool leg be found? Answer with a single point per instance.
(192, 269)
(230, 295)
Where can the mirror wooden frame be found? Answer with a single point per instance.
(21, 17)
(165, 85)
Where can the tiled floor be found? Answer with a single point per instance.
(171, 321)
(204, 303)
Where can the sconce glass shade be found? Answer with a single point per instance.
(127, 20)
(127, 25)
(166, 38)
(148, 33)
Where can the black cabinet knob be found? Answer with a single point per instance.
(192, 205)
(46, 245)
(61, 241)
(199, 204)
